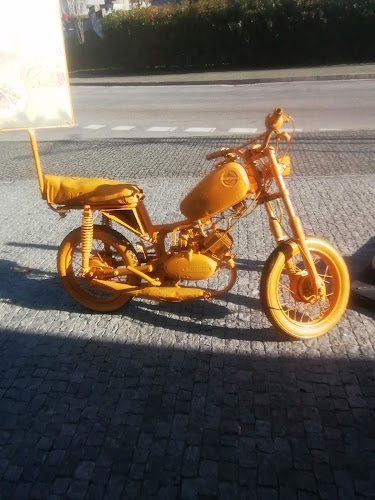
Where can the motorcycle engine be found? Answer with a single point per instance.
(218, 243)
(197, 256)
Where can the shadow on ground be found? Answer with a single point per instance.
(90, 418)
(41, 290)
(360, 265)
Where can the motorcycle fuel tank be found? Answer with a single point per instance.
(222, 188)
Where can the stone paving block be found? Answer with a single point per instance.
(194, 400)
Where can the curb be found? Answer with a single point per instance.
(247, 81)
(363, 294)
(363, 289)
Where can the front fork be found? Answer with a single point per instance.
(317, 285)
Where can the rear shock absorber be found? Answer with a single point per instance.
(87, 234)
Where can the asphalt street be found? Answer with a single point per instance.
(196, 400)
(175, 111)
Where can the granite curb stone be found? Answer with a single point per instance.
(228, 77)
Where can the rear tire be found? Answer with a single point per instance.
(112, 248)
(286, 304)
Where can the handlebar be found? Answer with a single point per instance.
(217, 154)
(274, 121)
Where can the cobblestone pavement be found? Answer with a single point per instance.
(196, 400)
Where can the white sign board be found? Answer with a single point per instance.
(34, 85)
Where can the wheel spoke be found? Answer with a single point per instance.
(286, 287)
(326, 274)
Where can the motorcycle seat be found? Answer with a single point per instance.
(80, 191)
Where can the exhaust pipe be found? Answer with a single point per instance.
(169, 293)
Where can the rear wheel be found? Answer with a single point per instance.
(287, 298)
(109, 250)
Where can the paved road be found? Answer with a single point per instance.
(174, 111)
(197, 400)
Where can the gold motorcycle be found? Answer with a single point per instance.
(304, 287)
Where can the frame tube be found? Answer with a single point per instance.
(34, 147)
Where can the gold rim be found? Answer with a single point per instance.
(295, 298)
(290, 304)
(106, 247)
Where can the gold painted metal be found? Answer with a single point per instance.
(233, 278)
(310, 272)
(77, 191)
(174, 294)
(87, 233)
(34, 147)
(223, 187)
(190, 266)
(296, 227)
(275, 120)
(288, 299)
(143, 271)
(275, 226)
(143, 275)
(128, 217)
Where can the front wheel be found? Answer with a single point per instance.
(285, 289)
(109, 250)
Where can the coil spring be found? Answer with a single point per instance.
(87, 234)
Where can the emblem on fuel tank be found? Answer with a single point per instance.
(229, 178)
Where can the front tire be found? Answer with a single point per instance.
(285, 298)
(111, 248)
